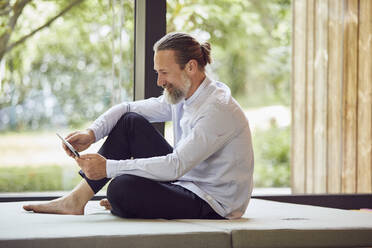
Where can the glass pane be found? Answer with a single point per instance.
(59, 80)
(251, 48)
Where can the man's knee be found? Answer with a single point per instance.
(133, 119)
(120, 187)
(121, 195)
(129, 124)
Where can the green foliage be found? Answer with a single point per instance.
(250, 44)
(66, 68)
(45, 178)
(63, 74)
(251, 51)
(272, 164)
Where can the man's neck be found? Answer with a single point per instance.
(195, 83)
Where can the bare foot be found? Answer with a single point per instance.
(105, 203)
(73, 203)
(64, 205)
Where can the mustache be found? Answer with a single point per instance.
(167, 86)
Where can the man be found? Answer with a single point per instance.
(208, 173)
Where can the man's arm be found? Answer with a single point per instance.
(210, 133)
(153, 109)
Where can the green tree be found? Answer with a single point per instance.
(70, 58)
(10, 12)
(271, 149)
(251, 49)
(66, 68)
(250, 43)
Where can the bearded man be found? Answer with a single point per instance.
(208, 174)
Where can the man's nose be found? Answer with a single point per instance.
(160, 82)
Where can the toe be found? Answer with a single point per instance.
(103, 202)
(27, 207)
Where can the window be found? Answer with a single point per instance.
(60, 79)
(251, 48)
(64, 76)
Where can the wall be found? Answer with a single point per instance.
(332, 96)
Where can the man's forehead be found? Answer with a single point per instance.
(165, 53)
(164, 59)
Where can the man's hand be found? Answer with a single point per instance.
(93, 165)
(80, 140)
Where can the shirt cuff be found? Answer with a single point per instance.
(111, 168)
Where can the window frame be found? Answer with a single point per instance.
(150, 25)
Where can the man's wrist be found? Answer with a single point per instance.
(92, 135)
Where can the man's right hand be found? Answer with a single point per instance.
(80, 140)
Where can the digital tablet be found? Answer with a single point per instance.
(69, 146)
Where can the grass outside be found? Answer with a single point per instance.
(42, 178)
(35, 161)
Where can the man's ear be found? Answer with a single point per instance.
(192, 66)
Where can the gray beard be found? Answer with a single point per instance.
(178, 94)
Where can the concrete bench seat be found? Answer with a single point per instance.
(265, 224)
(275, 224)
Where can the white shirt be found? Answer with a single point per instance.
(212, 155)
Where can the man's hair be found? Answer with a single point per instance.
(186, 48)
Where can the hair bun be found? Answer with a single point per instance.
(206, 50)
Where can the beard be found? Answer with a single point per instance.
(174, 95)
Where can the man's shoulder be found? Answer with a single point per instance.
(220, 98)
(219, 103)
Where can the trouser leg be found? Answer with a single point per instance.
(137, 197)
(132, 136)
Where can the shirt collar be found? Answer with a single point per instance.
(198, 91)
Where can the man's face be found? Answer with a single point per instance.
(175, 81)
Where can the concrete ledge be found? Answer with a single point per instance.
(265, 224)
(301, 238)
(276, 224)
(98, 228)
(186, 240)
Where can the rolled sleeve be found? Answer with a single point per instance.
(112, 166)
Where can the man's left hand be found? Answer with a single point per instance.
(93, 165)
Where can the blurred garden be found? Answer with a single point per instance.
(63, 63)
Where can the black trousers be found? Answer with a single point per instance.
(137, 197)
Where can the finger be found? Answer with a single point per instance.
(71, 134)
(64, 147)
(89, 156)
(79, 161)
(73, 138)
(68, 152)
